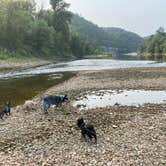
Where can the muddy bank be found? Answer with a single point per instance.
(126, 135)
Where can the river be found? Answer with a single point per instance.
(22, 85)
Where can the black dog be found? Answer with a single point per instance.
(86, 130)
(56, 100)
(5, 110)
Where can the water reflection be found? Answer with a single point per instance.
(98, 99)
(17, 90)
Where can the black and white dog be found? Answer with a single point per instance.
(86, 130)
(56, 100)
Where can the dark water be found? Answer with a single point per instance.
(17, 90)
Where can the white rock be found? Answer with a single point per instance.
(114, 126)
(109, 163)
(29, 105)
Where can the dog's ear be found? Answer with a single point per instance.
(80, 121)
(65, 97)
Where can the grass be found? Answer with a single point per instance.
(12, 62)
(18, 58)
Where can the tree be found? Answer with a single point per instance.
(25, 31)
(41, 38)
(18, 17)
(61, 18)
(155, 44)
(160, 30)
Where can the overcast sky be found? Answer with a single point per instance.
(141, 16)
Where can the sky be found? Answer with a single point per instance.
(140, 16)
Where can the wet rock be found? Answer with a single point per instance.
(116, 104)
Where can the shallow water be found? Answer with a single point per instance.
(126, 98)
(81, 65)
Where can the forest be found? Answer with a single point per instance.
(155, 45)
(26, 31)
(110, 37)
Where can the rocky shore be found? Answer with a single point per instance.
(126, 135)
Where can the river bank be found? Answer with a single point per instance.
(126, 135)
(20, 63)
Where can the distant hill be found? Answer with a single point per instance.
(124, 41)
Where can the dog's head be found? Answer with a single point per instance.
(80, 122)
(8, 104)
(65, 98)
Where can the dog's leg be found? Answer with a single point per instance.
(83, 135)
(1, 116)
(46, 107)
(95, 137)
(60, 104)
(9, 112)
(90, 136)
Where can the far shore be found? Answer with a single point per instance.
(19, 64)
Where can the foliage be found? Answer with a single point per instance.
(154, 45)
(80, 48)
(26, 31)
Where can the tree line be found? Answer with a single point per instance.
(26, 31)
(155, 45)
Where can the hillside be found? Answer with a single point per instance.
(125, 41)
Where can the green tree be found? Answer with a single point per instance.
(25, 31)
(18, 18)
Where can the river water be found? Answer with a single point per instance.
(21, 85)
(81, 65)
